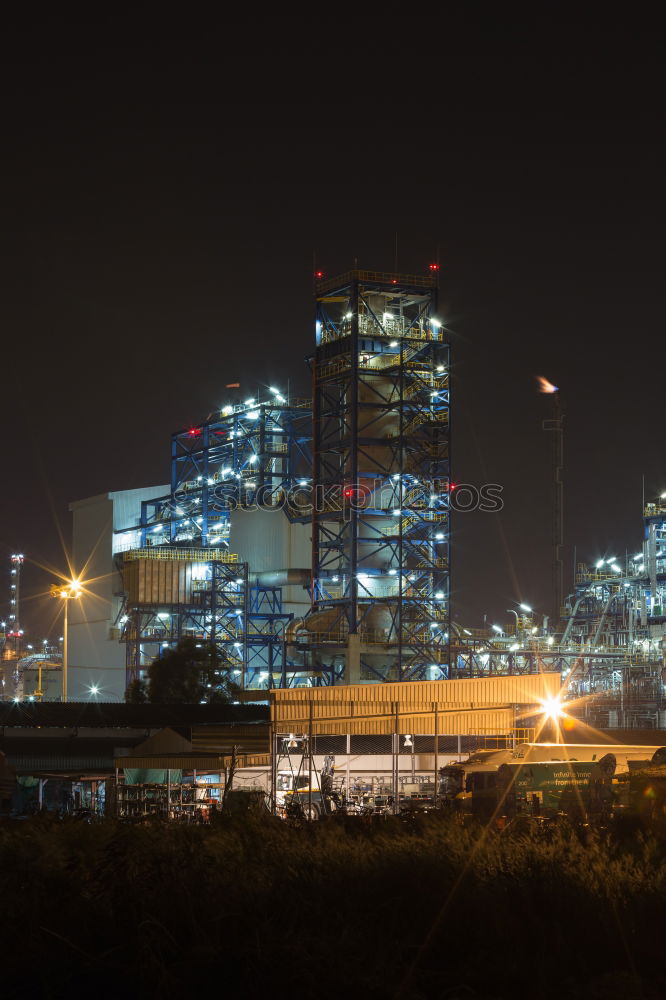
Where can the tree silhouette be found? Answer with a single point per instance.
(190, 673)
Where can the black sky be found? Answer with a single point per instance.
(166, 182)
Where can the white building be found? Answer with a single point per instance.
(96, 658)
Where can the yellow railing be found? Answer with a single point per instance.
(183, 555)
(654, 509)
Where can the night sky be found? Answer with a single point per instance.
(165, 185)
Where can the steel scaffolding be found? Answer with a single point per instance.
(380, 523)
(248, 456)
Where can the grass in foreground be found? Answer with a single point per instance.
(425, 909)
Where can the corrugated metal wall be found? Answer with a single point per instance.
(157, 581)
(423, 723)
(450, 707)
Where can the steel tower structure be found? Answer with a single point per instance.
(15, 630)
(180, 576)
(380, 525)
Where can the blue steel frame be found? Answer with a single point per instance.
(246, 456)
(381, 416)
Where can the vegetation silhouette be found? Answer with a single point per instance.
(189, 673)
(331, 909)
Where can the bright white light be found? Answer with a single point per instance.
(238, 611)
(616, 568)
(394, 343)
(467, 631)
(392, 572)
(434, 625)
(552, 707)
(497, 629)
(397, 512)
(160, 527)
(439, 536)
(348, 315)
(254, 415)
(550, 640)
(514, 647)
(249, 402)
(599, 564)
(662, 496)
(238, 645)
(94, 689)
(440, 368)
(362, 576)
(227, 411)
(435, 323)
(276, 392)
(439, 596)
(387, 316)
(525, 607)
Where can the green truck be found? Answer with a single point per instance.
(581, 790)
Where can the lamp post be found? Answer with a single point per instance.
(71, 589)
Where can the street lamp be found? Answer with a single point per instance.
(66, 592)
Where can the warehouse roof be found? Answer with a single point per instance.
(92, 715)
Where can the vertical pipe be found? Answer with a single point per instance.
(436, 711)
(396, 760)
(310, 763)
(64, 654)
(348, 753)
(273, 770)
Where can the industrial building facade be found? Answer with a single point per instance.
(308, 539)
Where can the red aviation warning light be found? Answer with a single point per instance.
(433, 267)
(349, 491)
(194, 432)
(319, 274)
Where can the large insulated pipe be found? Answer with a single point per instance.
(284, 578)
(572, 618)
